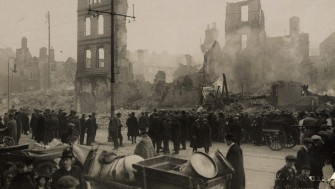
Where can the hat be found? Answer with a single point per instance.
(305, 167)
(73, 112)
(291, 158)
(66, 182)
(307, 141)
(316, 137)
(67, 154)
(118, 113)
(94, 113)
(83, 114)
(230, 137)
(71, 125)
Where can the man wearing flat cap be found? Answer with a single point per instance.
(68, 169)
(303, 155)
(286, 176)
(318, 160)
(235, 158)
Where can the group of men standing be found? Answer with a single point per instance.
(49, 124)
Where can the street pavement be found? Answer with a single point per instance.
(260, 162)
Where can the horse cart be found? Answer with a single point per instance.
(282, 131)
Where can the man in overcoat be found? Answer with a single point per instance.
(303, 155)
(235, 158)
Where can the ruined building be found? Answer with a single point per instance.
(245, 41)
(28, 76)
(289, 54)
(213, 60)
(94, 54)
(33, 72)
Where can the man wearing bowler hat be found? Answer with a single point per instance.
(286, 177)
(235, 158)
(68, 170)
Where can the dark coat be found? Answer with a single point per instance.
(205, 139)
(142, 122)
(285, 179)
(39, 129)
(75, 120)
(236, 131)
(25, 122)
(132, 125)
(194, 132)
(304, 183)
(23, 180)
(235, 158)
(155, 127)
(175, 128)
(303, 158)
(12, 126)
(51, 126)
(317, 162)
(82, 125)
(90, 131)
(33, 122)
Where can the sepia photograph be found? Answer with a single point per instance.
(167, 94)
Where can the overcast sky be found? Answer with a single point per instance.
(172, 25)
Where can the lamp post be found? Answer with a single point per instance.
(14, 71)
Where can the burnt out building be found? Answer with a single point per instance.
(28, 76)
(92, 82)
(289, 53)
(246, 38)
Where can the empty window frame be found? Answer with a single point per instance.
(100, 24)
(87, 58)
(244, 13)
(244, 41)
(88, 26)
(101, 57)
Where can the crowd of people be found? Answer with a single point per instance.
(48, 124)
(198, 127)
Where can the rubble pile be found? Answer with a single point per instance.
(52, 99)
(248, 105)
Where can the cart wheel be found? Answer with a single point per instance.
(8, 141)
(276, 141)
(291, 140)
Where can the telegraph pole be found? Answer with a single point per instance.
(112, 59)
(49, 63)
(112, 65)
